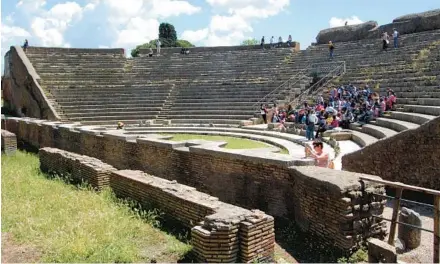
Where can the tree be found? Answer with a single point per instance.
(250, 42)
(167, 37)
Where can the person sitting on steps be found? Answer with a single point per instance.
(317, 153)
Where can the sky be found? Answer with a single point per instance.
(127, 23)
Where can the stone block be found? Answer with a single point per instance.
(409, 235)
(345, 33)
(381, 252)
(9, 142)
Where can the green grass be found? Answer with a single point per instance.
(232, 142)
(71, 224)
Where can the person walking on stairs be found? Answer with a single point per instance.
(385, 41)
(331, 48)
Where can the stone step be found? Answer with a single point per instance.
(213, 112)
(373, 130)
(128, 116)
(411, 117)
(418, 94)
(211, 116)
(422, 109)
(396, 125)
(112, 106)
(420, 101)
(205, 121)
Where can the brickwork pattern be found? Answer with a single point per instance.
(9, 142)
(81, 168)
(328, 203)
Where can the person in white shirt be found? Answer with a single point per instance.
(311, 121)
(158, 46)
(280, 42)
(271, 42)
(395, 38)
(289, 41)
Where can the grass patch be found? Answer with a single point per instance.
(232, 142)
(73, 224)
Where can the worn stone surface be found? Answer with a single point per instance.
(409, 235)
(26, 95)
(411, 157)
(381, 252)
(345, 33)
(322, 201)
(9, 142)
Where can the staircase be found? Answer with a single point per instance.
(166, 108)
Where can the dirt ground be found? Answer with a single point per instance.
(423, 253)
(14, 253)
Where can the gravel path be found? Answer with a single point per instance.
(424, 253)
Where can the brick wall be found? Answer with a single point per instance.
(9, 142)
(331, 204)
(81, 168)
(411, 157)
(220, 232)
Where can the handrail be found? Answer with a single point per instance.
(301, 72)
(331, 73)
(396, 207)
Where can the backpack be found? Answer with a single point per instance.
(307, 120)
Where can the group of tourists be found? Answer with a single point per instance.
(385, 42)
(279, 44)
(345, 105)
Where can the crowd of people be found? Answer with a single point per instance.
(345, 105)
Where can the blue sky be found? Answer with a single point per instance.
(127, 23)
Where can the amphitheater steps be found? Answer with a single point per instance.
(411, 117)
(373, 130)
(396, 125)
(421, 109)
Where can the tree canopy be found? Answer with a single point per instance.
(167, 37)
(250, 42)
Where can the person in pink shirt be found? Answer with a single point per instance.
(321, 158)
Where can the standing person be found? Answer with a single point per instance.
(25, 45)
(331, 48)
(280, 42)
(385, 41)
(289, 40)
(158, 46)
(263, 112)
(271, 42)
(395, 37)
(311, 121)
(262, 42)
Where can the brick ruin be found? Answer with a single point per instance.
(334, 205)
(220, 232)
(9, 142)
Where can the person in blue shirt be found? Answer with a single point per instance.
(25, 45)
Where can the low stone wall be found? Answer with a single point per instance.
(411, 157)
(220, 232)
(9, 142)
(331, 204)
(80, 168)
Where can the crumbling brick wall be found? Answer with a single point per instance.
(9, 142)
(331, 204)
(80, 168)
(220, 232)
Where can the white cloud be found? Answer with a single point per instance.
(195, 36)
(233, 28)
(50, 27)
(134, 22)
(103, 47)
(9, 33)
(339, 22)
(167, 8)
